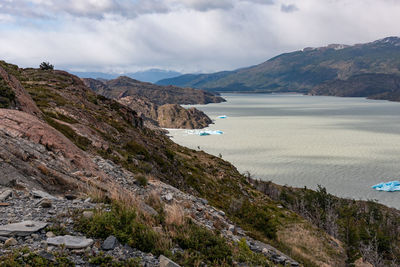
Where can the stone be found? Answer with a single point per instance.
(110, 243)
(165, 262)
(50, 234)
(22, 228)
(46, 203)
(5, 194)
(10, 242)
(147, 209)
(204, 201)
(70, 241)
(42, 194)
(87, 214)
(88, 200)
(35, 236)
(169, 197)
(46, 255)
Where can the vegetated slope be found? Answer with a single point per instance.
(100, 127)
(300, 71)
(367, 228)
(154, 103)
(374, 86)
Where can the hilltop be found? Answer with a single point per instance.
(92, 185)
(305, 70)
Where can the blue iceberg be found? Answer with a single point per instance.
(222, 117)
(204, 132)
(388, 187)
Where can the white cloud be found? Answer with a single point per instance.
(185, 35)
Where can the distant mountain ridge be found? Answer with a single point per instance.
(151, 75)
(303, 70)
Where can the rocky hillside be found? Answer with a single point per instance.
(152, 102)
(160, 95)
(88, 184)
(301, 71)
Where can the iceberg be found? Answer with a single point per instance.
(222, 117)
(388, 187)
(204, 132)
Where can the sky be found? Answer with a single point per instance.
(189, 36)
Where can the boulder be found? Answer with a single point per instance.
(169, 197)
(165, 262)
(109, 243)
(10, 242)
(70, 241)
(22, 228)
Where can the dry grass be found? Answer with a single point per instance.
(317, 248)
(174, 215)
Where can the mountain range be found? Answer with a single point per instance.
(309, 70)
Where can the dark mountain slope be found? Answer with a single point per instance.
(300, 71)
(374, 86)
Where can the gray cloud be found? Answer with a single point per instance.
(184, 35)
(289, 8)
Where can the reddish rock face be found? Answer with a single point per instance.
(23, 101)
(30, 148)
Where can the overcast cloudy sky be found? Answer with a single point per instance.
(183, 35)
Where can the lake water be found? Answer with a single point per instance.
(344, 144)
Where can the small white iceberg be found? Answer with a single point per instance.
(222, 117)
(388, 187)
(204, 132)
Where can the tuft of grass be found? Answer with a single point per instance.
(105, 261)
(242, 253)
(25, 257)
(142, 180)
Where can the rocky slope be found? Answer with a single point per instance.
(123, 193)
(152, 102)
(160, 95)
(300, 71)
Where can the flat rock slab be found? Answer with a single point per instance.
(42, 194)
(165, 262)
(22, 228)
(5, 194)
(70, 241)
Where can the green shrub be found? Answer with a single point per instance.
(123, 223)
(142, 180)
(46, 66)
(105, 261)
(198, 240)
(7, 95)
(244, 254)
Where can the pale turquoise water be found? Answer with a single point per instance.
(344, 144)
